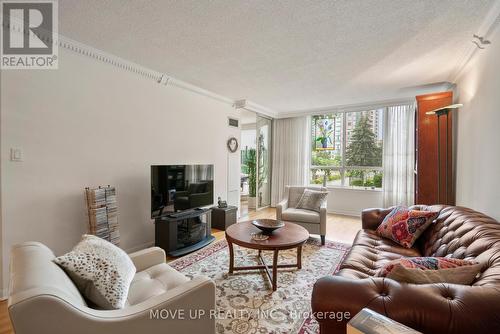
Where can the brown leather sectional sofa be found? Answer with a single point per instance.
(430, 308)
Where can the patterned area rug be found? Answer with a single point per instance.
(245, 301)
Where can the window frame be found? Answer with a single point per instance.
(344, 168)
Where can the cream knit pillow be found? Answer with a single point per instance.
(101, 271)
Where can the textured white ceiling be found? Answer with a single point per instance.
(285, 55)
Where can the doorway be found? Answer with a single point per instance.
(256, 131)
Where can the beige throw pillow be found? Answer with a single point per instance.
(101, 271)
(425, 270)
(312, 200)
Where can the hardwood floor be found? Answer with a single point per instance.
(5, 326)
(338, 228)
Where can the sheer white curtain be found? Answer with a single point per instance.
(399, 155)
(290, 154)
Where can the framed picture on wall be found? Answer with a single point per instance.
(324, 133)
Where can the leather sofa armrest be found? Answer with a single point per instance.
(280, 207)
(371, 218)
(148, 257)
(429, 308)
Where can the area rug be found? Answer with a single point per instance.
(245, 301)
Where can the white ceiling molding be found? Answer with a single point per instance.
(99, 55)
(491, 21)
(348, 107)
(261, 109)
(240, 104)
(410, 93)
(254, 107)
(160, 78)
(91, 52)
(195, 89)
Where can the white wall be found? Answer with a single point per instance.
(353, 201)
(87, 124)
(478, 137)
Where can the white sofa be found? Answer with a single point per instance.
(313, 222)
(44, 300)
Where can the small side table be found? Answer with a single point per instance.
(222, 218)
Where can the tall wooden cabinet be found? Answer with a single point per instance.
(434, 182)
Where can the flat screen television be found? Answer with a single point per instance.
(176, 188)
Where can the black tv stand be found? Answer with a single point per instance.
(179, 233)
(180, 214)
(184, 213)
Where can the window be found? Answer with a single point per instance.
(347, 149)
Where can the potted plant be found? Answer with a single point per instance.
(255, 170)
(251, 165)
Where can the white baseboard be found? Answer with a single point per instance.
(3, 295)
(346, 213)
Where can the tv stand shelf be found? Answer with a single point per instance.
(183, 214)
(179, 234)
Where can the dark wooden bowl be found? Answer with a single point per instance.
(267, 226)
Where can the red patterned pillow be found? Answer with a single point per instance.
(423, 270)
(404, 226)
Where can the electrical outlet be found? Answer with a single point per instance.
(16, 154)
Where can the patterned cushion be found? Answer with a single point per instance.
(312, 200)
(100, 270)
(423, 270)
(404, 226)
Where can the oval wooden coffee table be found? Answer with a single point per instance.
(288, 237)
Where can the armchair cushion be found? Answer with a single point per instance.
(153, 282)
(101, 271)
(312, 200)
(300, 215)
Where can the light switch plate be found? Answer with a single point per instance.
(16, 154)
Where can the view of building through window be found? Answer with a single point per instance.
(347, 149)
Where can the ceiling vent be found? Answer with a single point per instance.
(233, 122)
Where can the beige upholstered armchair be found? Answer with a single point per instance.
(312, 221)
(44, 300)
